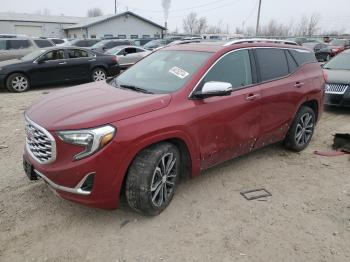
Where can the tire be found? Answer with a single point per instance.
(147, 189)
(98, 74)
(17, 83)
(301, 130)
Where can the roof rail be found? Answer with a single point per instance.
(260, 40)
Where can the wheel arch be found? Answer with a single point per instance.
(313, 104)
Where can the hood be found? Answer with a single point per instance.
(338, 76)
(92, 105)
(10, 62)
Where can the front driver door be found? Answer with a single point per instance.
(51, 67)
(228, 126)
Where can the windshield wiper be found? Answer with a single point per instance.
(137, 89)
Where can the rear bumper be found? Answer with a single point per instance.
(338, 100)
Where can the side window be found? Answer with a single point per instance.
(292, 65)
(234, 68)
(43, 43)
(303, 56)
(138, 50)
(18, 44)
(272, 63)
(3, 45)
(77, 53)
(130, 50)
(53, 55)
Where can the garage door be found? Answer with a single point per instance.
(28, 30)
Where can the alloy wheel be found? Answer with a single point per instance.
(163, 180)
(304, 130)
(99, 75)
(19, 83)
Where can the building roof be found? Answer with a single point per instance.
(40, 18)
(87, 22)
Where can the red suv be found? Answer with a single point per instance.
(175, 113)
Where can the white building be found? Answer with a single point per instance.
(124, 25)
(36, 25)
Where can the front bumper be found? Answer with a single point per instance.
(2, 80)
(341, 100)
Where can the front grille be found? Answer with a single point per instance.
(40, 143)
(337, 89)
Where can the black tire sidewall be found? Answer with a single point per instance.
(138, 193)
(290, 142)
(9, 83)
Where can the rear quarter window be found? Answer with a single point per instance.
(303, 57)
(272, 63)
(43, 43)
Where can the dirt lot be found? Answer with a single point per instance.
(306, 219)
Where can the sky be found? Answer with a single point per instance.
(230, 14)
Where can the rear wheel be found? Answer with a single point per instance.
(17, 83)
(301, 130)
(152, 178)
(98, 74)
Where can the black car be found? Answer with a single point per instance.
(337, 73)
(322, 51)
(56, 65)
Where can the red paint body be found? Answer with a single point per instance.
(214, 129)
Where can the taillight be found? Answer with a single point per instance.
(115, 59)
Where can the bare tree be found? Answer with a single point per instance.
(190, 23)
(314, 20)
(93, 12)
(201, 25)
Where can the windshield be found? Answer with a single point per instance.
(163, 71)
(33, 55)
(154, 44)
(337, 42)
(340, 62)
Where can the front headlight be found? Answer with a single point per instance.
(91, 139)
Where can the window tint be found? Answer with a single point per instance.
(57, 41)
(17, 44)
(3, 45)
(272, 63)
(292, 65)
(53, 55)
(43, 43)
(77, 53)
(130, 50)
(303, 56)
(233, 68)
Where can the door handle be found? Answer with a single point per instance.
(62, 63)
(298, 84)
(251, 97)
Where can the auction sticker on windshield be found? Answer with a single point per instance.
(178, 72)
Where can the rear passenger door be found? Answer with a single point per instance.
(281, 89)
(228, 126)
(79, 63)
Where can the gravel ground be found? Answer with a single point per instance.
(306, 219)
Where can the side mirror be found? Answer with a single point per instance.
(214, 88)
(40, 60)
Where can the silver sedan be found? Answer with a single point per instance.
(128, 55)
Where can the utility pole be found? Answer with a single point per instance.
(258, 20)
(115, 6)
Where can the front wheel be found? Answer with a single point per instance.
(98, 74)
(152, 178)
(17, 83)
(301, 130)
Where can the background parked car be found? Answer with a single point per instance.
(88, 42)
(17, 47)
(337, 73)
(339, 45)
(142, 41)
(128, 55)
(59, 41)
(154, 44)
(322, 51)
(56, 65)
(105, 45)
